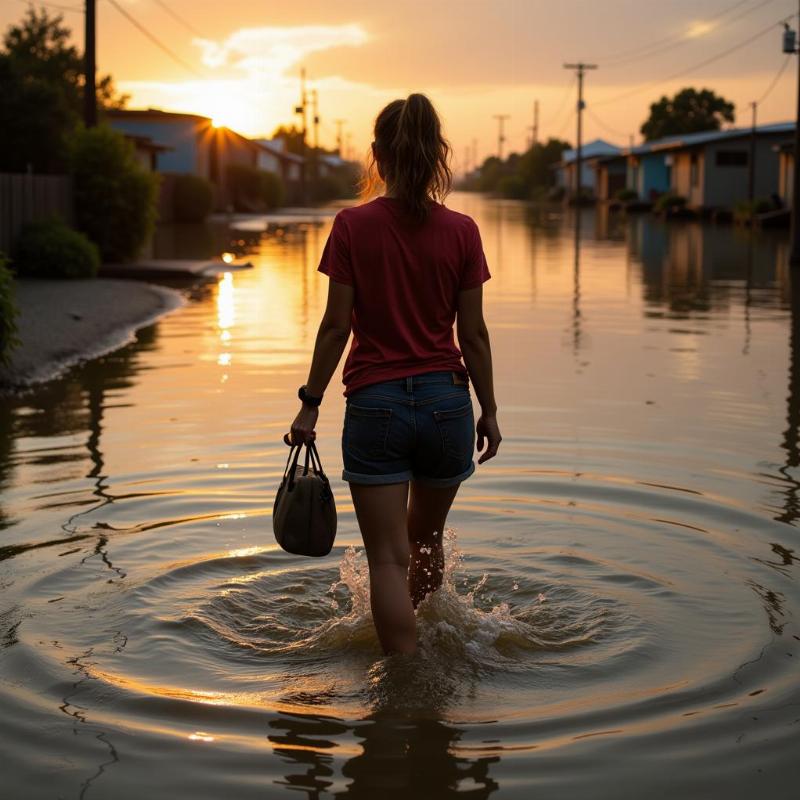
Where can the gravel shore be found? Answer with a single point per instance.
(64, 322)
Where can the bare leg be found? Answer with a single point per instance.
(427, 514)
(381, 512)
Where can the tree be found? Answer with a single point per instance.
(42, 98)
(536, 164)
(293, 138)
(115, 198)
(689, 111)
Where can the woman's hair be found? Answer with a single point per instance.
(413, 155)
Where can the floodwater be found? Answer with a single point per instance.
(620, 611)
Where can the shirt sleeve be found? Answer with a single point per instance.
(335, 260)
(476, 270)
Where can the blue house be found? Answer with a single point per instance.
(590, 153)
(711, 169)
(649, 172)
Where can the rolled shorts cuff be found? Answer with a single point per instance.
(377, 480)
(407, 475)
(444, 482)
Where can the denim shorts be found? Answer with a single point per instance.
(421, 428)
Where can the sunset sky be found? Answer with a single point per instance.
(238, 61)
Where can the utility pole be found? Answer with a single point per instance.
(315, 118)
(535, 123)
(751, 160)
(301, 109)
(790, 46)
(90, 68)
(580, 68)
(501, 118)
(474, 153)
(339, 123)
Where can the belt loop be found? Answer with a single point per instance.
(409, 384)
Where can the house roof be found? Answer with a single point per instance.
(153, 113)
(594, 149)
(332, 159)
(273, 147)
(146, 143)
(706, 137)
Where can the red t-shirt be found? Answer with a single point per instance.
(406, 281)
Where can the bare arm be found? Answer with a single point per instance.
(473, 340)
(332, 336)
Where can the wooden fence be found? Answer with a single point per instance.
(28, 198)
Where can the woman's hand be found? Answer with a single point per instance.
(304, 424)
(487, 429)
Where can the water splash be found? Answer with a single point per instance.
(450, 625)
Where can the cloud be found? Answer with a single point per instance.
(274, 50)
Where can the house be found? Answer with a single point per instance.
(274, 157)
(329, 164)
(610, 176)
(710, 169)
(649, 172)
(146, 151)
(590, 153)
(785, 152)
(192, 145)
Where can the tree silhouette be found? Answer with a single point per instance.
(689, 111)
(42, 97)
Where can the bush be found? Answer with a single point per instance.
(670, 202)
(626, 195)
(272, 191)
(115, 198)
(192, 199)
(513, 186)
(8, 312)
(746, 211)
(253, 189)
(51, 249)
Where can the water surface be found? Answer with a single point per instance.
(619, 614)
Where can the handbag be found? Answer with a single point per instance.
(304, 512)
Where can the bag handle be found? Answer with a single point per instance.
(316, 461)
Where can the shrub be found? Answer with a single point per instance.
(513, 186)
(272, 190)
(253, 189)
(8, 312)
(745, 210)
(115, 197)
(670, 202)
(192, 199)
(51, 249)
(626, 195)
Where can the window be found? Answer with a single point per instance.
(731, 158)
(694, 172)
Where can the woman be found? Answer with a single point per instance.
(402, 268)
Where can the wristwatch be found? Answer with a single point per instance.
(307, 398)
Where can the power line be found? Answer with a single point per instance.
(157, 42)
(657, 42)
(179, 19)
(681, 39)
(566, 124)
(567, 94)
(704, 63)
(602, 124)
(774, 80)
(72, 9)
